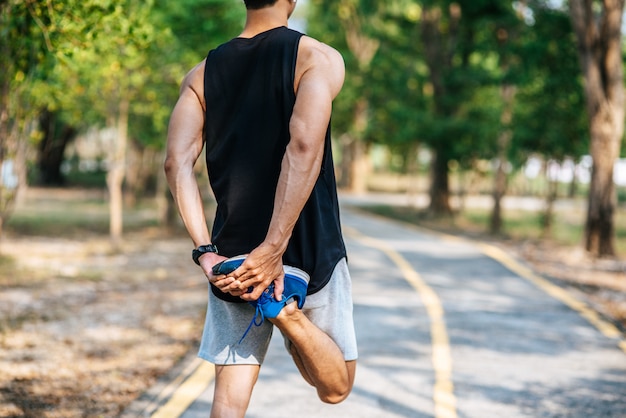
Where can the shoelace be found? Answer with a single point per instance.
(265, 296)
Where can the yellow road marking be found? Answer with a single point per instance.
(606, 328)
(443, 394)
(188, 392)
(172, 385)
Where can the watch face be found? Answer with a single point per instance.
(207, 248)
(203, 249)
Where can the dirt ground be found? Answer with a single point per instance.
(601, 283)
(84, 329)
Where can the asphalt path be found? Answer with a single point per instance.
(446, 328)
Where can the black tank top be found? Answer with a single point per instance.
(249, 93)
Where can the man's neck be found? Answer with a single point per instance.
(262, 20)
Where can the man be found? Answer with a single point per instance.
(261, 103)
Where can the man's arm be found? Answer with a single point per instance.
(319, 77)
(184, 146)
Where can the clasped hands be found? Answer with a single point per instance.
(261, 267)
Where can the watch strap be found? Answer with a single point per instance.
(196, 253)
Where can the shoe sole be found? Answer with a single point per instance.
(229, 265)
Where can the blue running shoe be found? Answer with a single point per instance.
(295, 286)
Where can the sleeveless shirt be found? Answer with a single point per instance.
(249, 93)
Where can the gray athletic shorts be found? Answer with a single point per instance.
(330, 309)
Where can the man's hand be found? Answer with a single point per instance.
(226, 284)
(261, 267)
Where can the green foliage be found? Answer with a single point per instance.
(187, 29)
(525, 44)
(25, 46)
(80, 57)
(550, 117)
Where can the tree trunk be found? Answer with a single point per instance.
(548, 213)
(504, 142)
(600, 54)
(359, 165)
(134, 181)
(4, 121)
(345, 164)
(115, 176)
(359, 169)
(439, 37)
(550, 195)
(412, 169)
(354, 158)
(11, 178)
(440, 184)
(12, 159)
(51, 153)
(573, 185)
(599, 228)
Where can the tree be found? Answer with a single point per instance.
(508, 29)
(24, 47)
(351, 26)
(56, 135)
(107, 56)
(188, 30)
(440, 36)
(598, 30)
(462, 59)
(549, 118)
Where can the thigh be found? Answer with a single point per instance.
(225, 324)
(331, 308)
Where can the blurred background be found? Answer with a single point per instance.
(444, 101)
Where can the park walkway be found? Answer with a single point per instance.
(446, 328)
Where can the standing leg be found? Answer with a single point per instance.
(237, 365)
(233, 389)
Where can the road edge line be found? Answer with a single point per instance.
(443, 393)
(593, 317)
(187, 392)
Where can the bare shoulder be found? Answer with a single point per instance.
(317, 57)
(315, 51)
(194, 81)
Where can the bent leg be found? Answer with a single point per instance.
(321, 337)
(318, 358)
(233, 389)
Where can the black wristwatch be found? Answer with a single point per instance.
(203, 249)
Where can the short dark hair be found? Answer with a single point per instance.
(258, 4)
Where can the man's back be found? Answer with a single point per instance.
(249, 89)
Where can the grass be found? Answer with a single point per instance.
(518, 225)
(7, 267)
(74, 215)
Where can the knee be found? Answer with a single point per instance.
(340, 389)
(335, 396)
